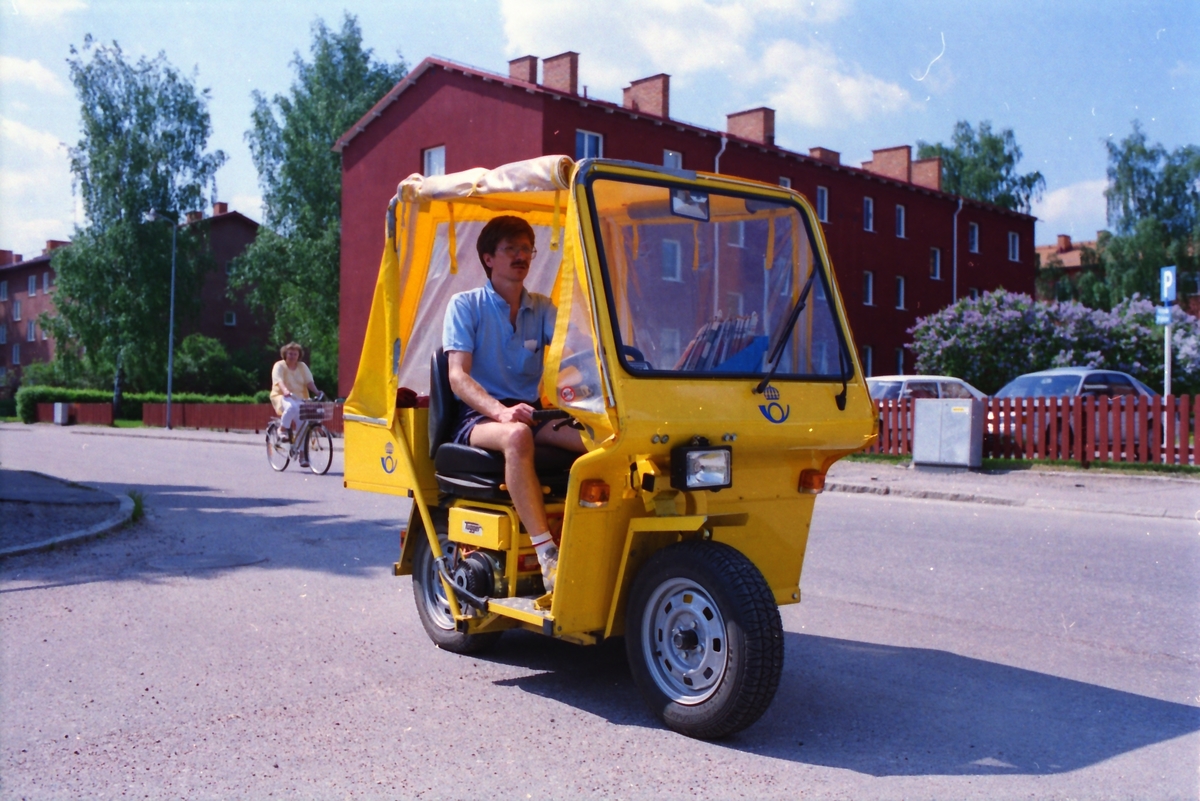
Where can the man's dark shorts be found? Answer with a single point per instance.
(468, 418)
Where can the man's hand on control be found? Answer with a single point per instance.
(521, 413)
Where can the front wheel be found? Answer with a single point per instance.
(277, 450)
(704, 639)
(432, 605)
(318, 449)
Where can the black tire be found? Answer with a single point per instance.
(277, 450)
(430, 597)
(318, 449)
(721, 677)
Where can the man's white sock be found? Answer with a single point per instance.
(547, 553)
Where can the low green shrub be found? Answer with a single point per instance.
(131, 403)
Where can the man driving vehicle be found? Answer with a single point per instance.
(494, 337)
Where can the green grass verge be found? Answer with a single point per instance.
(1125, 468)
(127, 423)
(139, 505)
(883, 458)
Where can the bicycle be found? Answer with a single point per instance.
(312, 443)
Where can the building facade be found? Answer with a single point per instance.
(900, 246)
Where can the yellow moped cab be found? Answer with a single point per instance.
(701, 348)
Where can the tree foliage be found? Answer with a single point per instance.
(292, 269)
(990, 341)
(982, 165)
(145, 127)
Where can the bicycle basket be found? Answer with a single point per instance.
(314, 411)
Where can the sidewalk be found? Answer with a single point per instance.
(1074, 490)
(40, 511)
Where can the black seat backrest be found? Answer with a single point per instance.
(443, 405)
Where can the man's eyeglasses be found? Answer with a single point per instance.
(523, 250)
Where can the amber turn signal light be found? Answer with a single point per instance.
(812, 481)
(593, 493)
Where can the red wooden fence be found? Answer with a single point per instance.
(88, 414)
(226, 416)
(1154, 430)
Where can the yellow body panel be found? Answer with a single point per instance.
(480, 529)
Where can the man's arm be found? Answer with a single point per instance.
(471, 393)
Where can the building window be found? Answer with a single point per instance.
(973, 292)
(737, 234)
(668, 344)
(736, 304)
(935, 264)
(1014, 246)
(44, 337)
(32, 285)
(45, 282)
(433, 160)
(868, 214)
(867, 359)
(16, 310)
(16, 359)
(899, 221)
(822, 204)
(31, 332)
(868, 288)
(899, 361)
(973, 237)
(672, 261)
(3, 290)
(785, 182)
(3, 334)
(588, 145)
(899, 292)
(230, 318)
(673, 159)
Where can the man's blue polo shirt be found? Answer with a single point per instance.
(505, 360)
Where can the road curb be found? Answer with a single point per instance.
(123, 516)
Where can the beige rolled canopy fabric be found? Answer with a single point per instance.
(543, 174)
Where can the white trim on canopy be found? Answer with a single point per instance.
(543, 174)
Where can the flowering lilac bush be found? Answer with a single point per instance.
(990, 341)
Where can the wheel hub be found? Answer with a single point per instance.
(685, 641)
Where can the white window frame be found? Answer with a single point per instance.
(675, 274)
(737, 236)
(868, 288)
(901, 228)
(935, 264)
(868, 354)
(599, 139)
(31, 331)
(899, 361)
(900, 287)
(868, 214)
(32, 286)
(230, 319)
(3, 290)
(1014, 246)
(16, 311)
(785, 182)
(433, 160)
(823, 204)
(46, 282)
(672, 159)
(973, 237)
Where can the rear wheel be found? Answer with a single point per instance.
(277, 449)
(704, 639)
(432, 606)
(318, 449)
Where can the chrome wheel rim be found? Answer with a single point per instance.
(684, 641)
(433, 594)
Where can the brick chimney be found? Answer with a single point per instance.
(194, 216)
(1064, 243)
(825, 154)
(523, 69)
(757, 125)
(650, 96)
(220, 208)
(892, 162)
(53, 245)
(561, 72)
(6, 257)
(928, 173)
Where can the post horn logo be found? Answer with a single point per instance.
(388, 462)
(774, 411)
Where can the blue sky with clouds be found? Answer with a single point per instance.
(846, 75)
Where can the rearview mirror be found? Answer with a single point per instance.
(689, 203)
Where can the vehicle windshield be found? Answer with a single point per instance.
(703, 283)
(884, 390)
(1040, 386)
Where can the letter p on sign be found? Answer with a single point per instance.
(1166, 282)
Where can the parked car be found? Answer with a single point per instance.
(894, 387)
(1072, 382)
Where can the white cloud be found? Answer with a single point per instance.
(1077, 209)
(44, 10)
(250, 205)
(810, 85)
(19, 72)
(35, 188)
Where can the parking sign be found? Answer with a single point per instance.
(1166, 284)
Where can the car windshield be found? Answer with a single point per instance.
(704, 283)
(884, 390)
(1040, 386)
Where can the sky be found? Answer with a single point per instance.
(849, 75)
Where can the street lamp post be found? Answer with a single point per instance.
(152, 216)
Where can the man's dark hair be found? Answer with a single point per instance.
(497, 230)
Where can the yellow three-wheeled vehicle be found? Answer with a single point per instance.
(702, 350)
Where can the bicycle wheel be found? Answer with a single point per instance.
(277, 450)
(318, 449)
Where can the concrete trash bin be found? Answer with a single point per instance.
(948, 433)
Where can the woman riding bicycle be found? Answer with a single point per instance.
(291, 383)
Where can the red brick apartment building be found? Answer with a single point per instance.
(890, 228)
(27, 292)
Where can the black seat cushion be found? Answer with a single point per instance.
(477, 473)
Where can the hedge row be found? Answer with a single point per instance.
(131, 404)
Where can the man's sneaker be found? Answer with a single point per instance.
(304, 463)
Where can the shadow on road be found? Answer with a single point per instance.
(887, 711)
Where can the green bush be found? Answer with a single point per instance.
(131, 403)
(8, 407)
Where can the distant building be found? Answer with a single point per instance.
(1067, 255)
(27, 288)
(890, 228)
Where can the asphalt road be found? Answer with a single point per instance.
(247, 639)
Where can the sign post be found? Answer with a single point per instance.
(1166, 286)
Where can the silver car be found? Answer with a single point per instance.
(894, 387)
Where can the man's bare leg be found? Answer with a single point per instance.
(515, 441)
